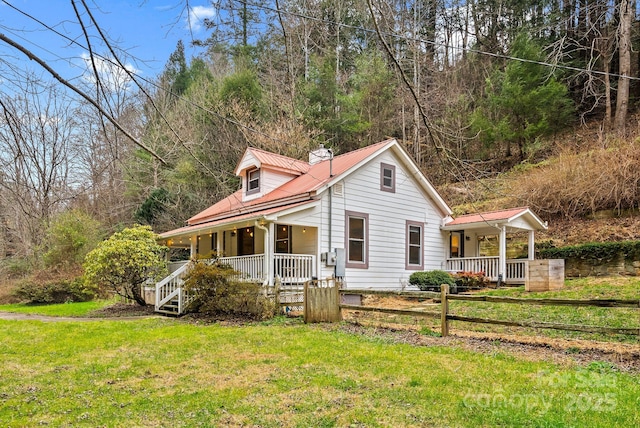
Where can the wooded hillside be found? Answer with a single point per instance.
(472, 89)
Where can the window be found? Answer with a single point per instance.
(387, 178)
(253, 181)
(283, 238)
(414, 237)
(357, 240)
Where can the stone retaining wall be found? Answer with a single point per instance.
(575, 268)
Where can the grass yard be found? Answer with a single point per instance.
(163, 372)
(74, 309)
(627, 288)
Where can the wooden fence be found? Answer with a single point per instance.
(444, 298)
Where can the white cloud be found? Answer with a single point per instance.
(110, 73)
(197, 15)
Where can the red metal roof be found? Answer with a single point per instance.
(231, 219)
(302, 186)
(500, 215)
(279, 161)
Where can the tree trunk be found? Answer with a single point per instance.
(624, 52)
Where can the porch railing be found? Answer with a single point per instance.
(291, 268)
(516, 269)
(250, 267)
(294, 268)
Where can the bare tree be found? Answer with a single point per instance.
(37, 155)
(624, 52)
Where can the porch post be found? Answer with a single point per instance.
(269, 238)
(532, 245)
(220, 250)
(194, 246)
(502, 248)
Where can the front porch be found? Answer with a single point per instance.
(289, 270)
(515, 269)
(262, 252)
(484, 242)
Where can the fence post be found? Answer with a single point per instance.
(444, 323)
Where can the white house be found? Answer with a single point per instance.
(368, 216)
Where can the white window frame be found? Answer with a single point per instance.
(409, 225)
(253, 175)
(358, 264)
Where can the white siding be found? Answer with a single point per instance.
(388, 213)
(248, 162)
(269, 180)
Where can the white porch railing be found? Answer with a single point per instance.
(294, 268)
(250, 267)
(516, 269)
(291, 268)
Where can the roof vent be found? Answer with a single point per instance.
(338, 189)
(319, 155)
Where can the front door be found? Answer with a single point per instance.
(456, 244)
(246, 245)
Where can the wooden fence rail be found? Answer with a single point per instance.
(444, 297)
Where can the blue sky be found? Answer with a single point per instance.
(147, 29)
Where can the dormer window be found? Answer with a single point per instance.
(253, 181)
(387, 178)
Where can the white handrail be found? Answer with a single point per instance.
(170, 286)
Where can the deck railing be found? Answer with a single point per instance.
(294, 268)
(516, 269)
(291, 268)
(250, 267)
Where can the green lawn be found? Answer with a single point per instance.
(72, 309)
(627, 288)
(162, 372)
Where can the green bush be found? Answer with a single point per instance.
(431, 280)
(16, 267)
(470, 280)
(602, 252)
(54, 287)
(71, 235)
(125, 261)
(218, 293)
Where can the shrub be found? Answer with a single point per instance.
(469, 280)
(16, 267)
(125, 261)
(596, 252)
(217, 292)
(53, 286)
(431, 280)
(71, 235)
